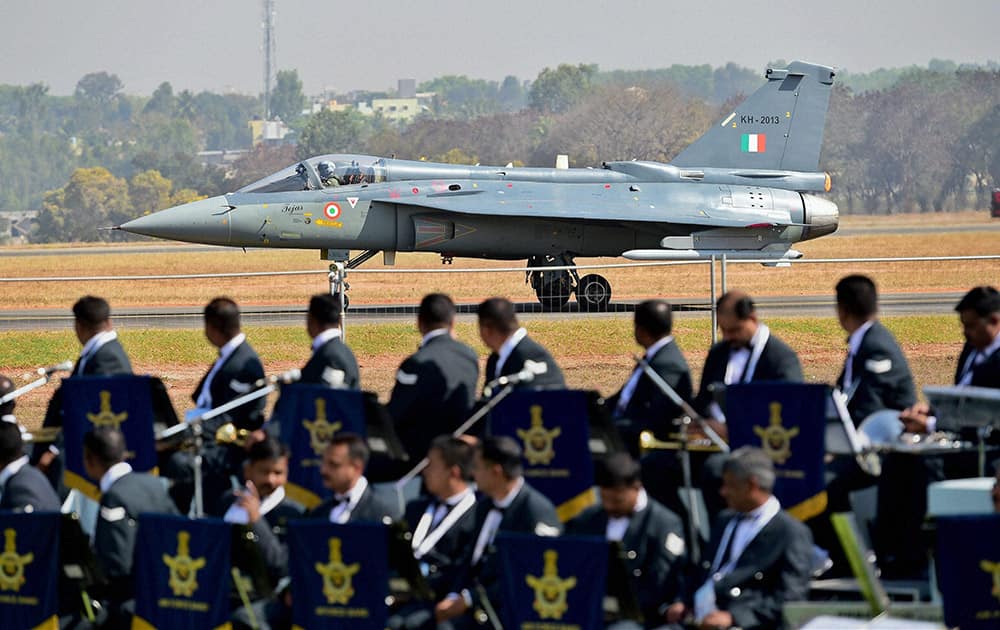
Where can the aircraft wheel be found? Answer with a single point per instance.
(593, 293)
(553, 292)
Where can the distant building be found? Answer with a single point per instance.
(16, 226)
(268, 132)
(225, 157)
(398, 109)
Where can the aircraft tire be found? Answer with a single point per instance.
(593, 293)
(554, 294)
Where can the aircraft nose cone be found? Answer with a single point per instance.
(204, 221)
(821, 215)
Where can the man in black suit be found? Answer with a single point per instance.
(748, 353)
(354, 499)
(510, 505)
(22, 487)
(759, 557)
(124, 496)
(101, 355)
(640, 404)
(261, 505)
(332, 363)
(979, 363)
(902, 501)
(876, 375)
(443, 525)
(652, 536)
(436, 387)
(234, 373)
(513, 350)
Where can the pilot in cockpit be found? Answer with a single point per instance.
(327, 173)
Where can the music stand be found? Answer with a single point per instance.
(604, 438)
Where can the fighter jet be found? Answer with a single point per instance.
(745, 189)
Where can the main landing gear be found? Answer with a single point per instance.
(554, 288)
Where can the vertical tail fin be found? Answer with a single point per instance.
(778, 127)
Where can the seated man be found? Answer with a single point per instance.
(443, 525)
(651, 535)
(342, 469)
(510, 505)
(124, 496)
(759, 557)
(23, 487)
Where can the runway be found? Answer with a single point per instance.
(191, 316)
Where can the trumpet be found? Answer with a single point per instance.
(229, 434)
(649, 442)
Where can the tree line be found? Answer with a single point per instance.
(908, 139)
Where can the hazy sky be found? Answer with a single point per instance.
(216, 44)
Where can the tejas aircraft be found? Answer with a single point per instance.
(745, 188)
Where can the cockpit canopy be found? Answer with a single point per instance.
(325, 171)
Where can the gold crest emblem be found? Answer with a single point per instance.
(337, 576)
(320, 430)
(993, 568)
(775, 439)
(106, 417)
(183, 568)
(538, 440)
(550, 589)
(12, 564)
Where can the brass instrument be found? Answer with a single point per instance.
(649, 442)
(229, 434)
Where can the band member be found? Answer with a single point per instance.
(332, 363)
(748, 353)
(436, 387)
(124, 496)
(511, 505)
(652, 536)
(875, 375)
(354, 499)
(759, 557)
(234, 373)
(101, 355)
(640, 404)
(443, 525)
(513, 350)
(22, 487)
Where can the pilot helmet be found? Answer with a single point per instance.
(326, 170)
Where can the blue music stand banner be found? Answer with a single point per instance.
(552, 428)
(552, 583)
(122, 402)
(340, 574)
(309, 416)
(787, 420)
(29, 576)
(182, 573)
(968, 564)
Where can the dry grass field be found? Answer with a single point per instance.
(595, 353)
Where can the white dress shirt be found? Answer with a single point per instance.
(637, 373)
(508, 346)
(492, 522)
(238, 514)
(320, 340)
(10, 470)
(342, 512)
(617, 526)
(437, 332)
(113, 474)
(853, 345)
(975, 358)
